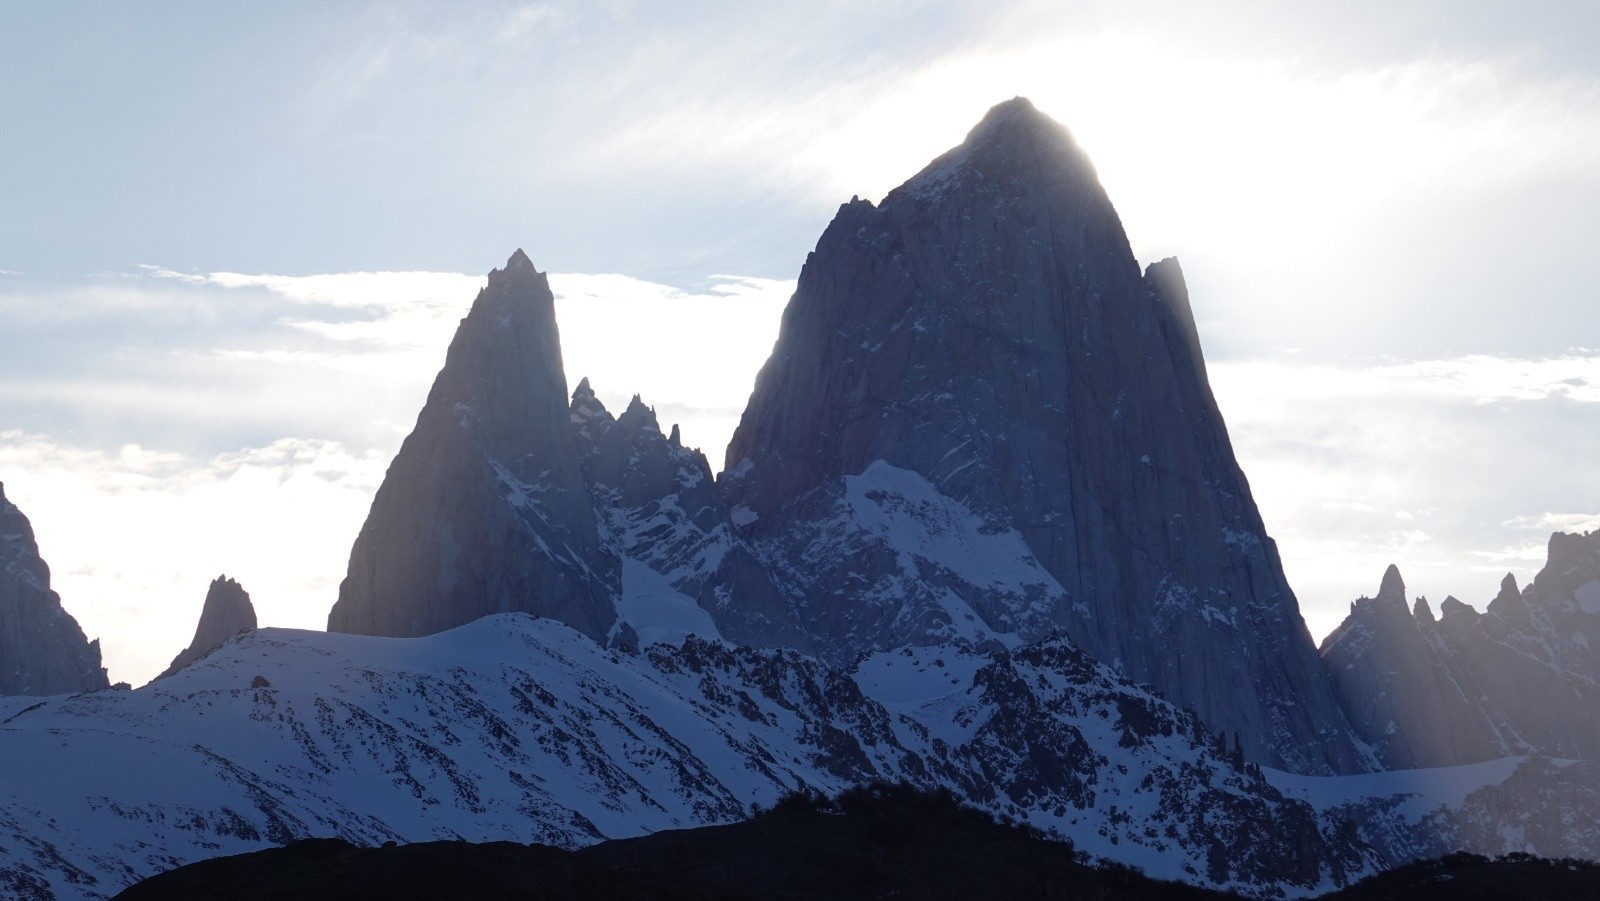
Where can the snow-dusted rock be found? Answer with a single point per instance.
(485, 509)
(987, 330)
(226, 613)
(662, 510)
(42, 649)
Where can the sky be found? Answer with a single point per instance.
(235, 240)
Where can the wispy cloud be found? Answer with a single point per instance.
(1556, 522)
(1477, 378)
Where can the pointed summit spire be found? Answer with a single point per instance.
(449, 537)
(518, 275)
(1422, 612)
(227, 612)
(1393, 587)
(639, 416)
(1020, 148)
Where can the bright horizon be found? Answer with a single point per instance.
(1387, 236)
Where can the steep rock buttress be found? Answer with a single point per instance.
(978, 361)
(485, 510)
(42, 649)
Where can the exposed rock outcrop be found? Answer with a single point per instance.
(227, 612)
(42, 649)
(485, 510)
(1521, 678)
(978, 362)
(662, 510)
(1394, 680)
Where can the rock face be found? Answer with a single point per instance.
(485, 509)
(664, 514)
(42, 649)
(981, 420)
(1394, 681)
(227, 612)
(1521, 678)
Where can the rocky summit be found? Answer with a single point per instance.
(1521, 678)
(485, 510)
(42, 649)
(227, 612)
(981, 420)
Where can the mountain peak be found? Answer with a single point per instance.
(1422, 612)
(639, 415)
(1009, 117)
(985, 338)
(1393, 587)
(227, 612)
(1013, 141)
(484, 509)
(517, 271)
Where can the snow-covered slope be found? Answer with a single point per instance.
(520, 728)
(1535, 805)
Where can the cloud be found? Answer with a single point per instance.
(1556, 522)
(133, 531)
(692, 355)
(1476, 378)
(133, 535)
(1425, 464)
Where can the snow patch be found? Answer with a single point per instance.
(658, 613)
(914, 518)
(1588, 595)
(1425, 790)
(916, 675)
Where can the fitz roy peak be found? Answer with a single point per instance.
(981, 424)
(997, 426)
